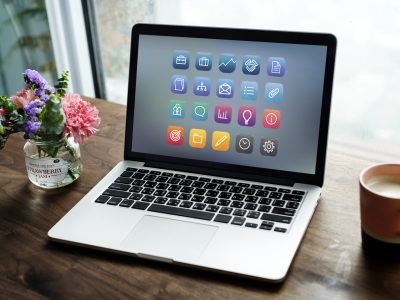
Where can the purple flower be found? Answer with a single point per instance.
(31, 127)
(34, 80)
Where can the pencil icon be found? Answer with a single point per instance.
(220, 140)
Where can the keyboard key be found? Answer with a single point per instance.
(226, 210)
(148, 198)
(180, 176)
(186, 182)
(223, 202)
(228, 182)
(212, 193)
(167, 174)
(116, 193)
(222, 218)
(114, 201)
(252, 199)
(253, 214)
(212, 208)
(266, 201)
(126, 203)
(173, 202)
(257, 186)
(239, 212)
(135, 189)
(136, 196)
(205, 179)
(199, 206)
(192, 177)
(264, 208)
(275, 195)
(161, 200)
(225, 195)
(296, 192)
(186, 204)
(293, 205)
(236, 189)
(177, 211)
(250, 206)
(138, 182)
(223, 187)
(102, 199)
(143, 171)
(210, 200)
(162, 186)
(242, 184)
(199, 191)
(238, 221)
(184, 196)
(251, 225)
(187, 189)
(159, 193)
(147, 191)
(150, 184)
(174, 187)
(126, 174)
(270, 188)
(150, 177)
(210, 186)
(276, 218)
(266, 226)
(131, 169)
(238, 197)
(162, 179)
(280, 229)
(292, 197)
(219, 181)
(237, 204)
(284, 211)
(155, 172)
(172, 195)
(248, 191)
(279, 203)
(173, 180)
(124, 180)
(138, 175)
(140, 205)
(284, 190)
(198, 184)
(198, 198)
(261, 193)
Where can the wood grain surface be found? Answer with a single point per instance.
(330, 263)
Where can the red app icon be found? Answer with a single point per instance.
(271, 118)
(175, 135)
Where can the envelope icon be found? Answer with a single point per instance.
(225, 89)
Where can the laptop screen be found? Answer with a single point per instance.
(238, 102)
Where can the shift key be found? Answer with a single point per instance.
(116, 193)
(276, 218)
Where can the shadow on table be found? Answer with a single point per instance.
(197, 274)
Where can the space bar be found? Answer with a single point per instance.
(171, 210)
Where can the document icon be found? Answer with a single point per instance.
(225, 88)
(179, 84)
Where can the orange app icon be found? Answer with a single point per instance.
(175, 135)
(221, 140)
(197, 138)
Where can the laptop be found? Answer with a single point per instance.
(225, 145)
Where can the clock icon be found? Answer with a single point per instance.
(244, 143)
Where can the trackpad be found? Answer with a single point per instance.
(168, 238)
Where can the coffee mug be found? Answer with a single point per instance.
(380, 208)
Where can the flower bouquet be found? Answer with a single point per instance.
(54, 122)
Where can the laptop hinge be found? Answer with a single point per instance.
(221, 173)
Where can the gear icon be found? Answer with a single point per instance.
(269, 146)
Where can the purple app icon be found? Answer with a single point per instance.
(247, 116)
(223, 113)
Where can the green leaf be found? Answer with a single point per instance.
(62, 84)
(52, 118)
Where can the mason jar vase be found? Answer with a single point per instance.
(53, 164)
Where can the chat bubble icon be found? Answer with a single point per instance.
(200, 111)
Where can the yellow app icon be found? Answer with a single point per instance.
(197, 138)
(221, 140)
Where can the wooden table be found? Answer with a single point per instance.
(330, 263)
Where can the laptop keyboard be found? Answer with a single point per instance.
(261, 206)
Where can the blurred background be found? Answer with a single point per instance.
(91, 38)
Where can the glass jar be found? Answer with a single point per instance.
(53, 164)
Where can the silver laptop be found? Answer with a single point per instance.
(225, 146)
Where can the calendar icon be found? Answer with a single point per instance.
(203, 61)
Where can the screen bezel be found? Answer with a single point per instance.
(239, 171)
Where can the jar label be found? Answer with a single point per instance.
(48, 170)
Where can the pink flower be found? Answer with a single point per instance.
(82, 119)
(2, 111)
(23, 97)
